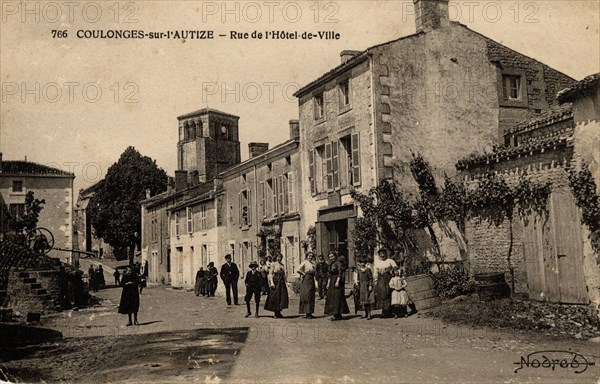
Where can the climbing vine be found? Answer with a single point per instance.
(583, 187)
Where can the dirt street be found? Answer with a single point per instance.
(184, 338)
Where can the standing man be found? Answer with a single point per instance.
(230, 275)
(322, 276)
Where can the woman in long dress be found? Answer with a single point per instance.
(335, 303)
(308, 290)
(277, 299)
(130, 296)
(384, 268)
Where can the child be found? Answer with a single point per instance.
(365, 288)
(254, 284)
(399, 295)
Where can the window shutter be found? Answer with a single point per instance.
(311, 168)
(355, 159)
(275, 191)
(249, 207)
(328, 168)
(280, 194)
(240, 208)
(291, 186)
(263, 199)
(286, 197)
(335, 164)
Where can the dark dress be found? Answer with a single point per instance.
(130, 297)
(335, 303)
(277, 298)
(365, 279)
(200, 285)
(383, 294)
(307, 292)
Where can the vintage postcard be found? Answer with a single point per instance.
(312, 191)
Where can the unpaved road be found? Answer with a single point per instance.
(184, 338)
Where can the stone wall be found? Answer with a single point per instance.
(33, 291)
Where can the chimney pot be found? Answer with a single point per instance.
(257, 149)
(294, 129)
(431, 14)
(347, 55)
(181, 180)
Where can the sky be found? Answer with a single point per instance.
(77, 103)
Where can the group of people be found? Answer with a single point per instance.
(96, 278)
(380, 286)
(206, 281)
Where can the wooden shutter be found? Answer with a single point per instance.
(280, 194)
(291, 186)
(286, 198)
(275, 191)
(335, 159)
(263, 191)
(355, 159)
(328, 168)
(312, 172)
(249, 207)
(240, 208)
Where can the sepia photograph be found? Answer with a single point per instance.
(300, 191)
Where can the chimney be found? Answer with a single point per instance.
(194, 178)
(257, 149)
(294, 129)
(431, 14)
(347, 55)
(170, 184)
(180, 180)
(148, 193)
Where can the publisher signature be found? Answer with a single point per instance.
(555, 360)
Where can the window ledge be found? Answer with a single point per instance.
(320, 120)
(345, 109)
(514, 103)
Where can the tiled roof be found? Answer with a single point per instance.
(576, 90)
(506, 153)
(546, 118)
(27, 168)
(204, 111)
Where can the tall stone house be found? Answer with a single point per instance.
(217, 205)
(53, 185)
(552, 259)
(443, 91)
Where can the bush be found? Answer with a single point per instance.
(452, 282)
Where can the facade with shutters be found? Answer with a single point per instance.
(444, 92)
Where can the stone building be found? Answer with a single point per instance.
(552, 255)
(216, 205)
(444, 91)
(53, 185)
(261, 204)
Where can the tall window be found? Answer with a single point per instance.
(154, 230)
(291, 197)
(16, 210)
(245, 213)
(319, 106)
(344, 92)
(511, 87)
(203, 221)
(190, 220)
(335, 165)
(17, 186)
(177, 229)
